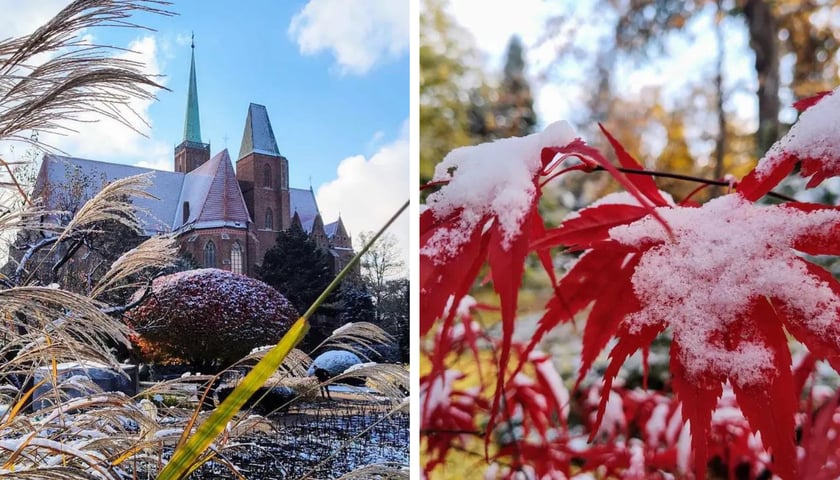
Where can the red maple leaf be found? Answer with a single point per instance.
(727, 281)
(448, 414)
(486, 211)
(808, 102)
(811, 141)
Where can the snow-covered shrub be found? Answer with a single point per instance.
(265, 400)
(334, 362)
(209, 317)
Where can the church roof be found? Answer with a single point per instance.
(156, 215)
(214, 196)
(192, 125)
(330, 228)
(258, 136)
(302, 201)
(212, 191)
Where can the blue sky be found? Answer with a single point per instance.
(334, 75)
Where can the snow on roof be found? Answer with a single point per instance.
(331, 229)
(155, 215)
(302, 201)
(214, 196)
(258, 136)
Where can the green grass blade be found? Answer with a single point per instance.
(184, 459)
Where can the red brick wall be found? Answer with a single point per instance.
(258, 197)
(188, 158)
(194, 242)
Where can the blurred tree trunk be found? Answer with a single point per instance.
(763, 29)
(720, 144)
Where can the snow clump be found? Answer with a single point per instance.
(493, 179)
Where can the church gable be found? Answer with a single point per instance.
(337, 234)
(211, 197)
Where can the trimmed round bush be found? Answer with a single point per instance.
(209, 318)
(334, 362)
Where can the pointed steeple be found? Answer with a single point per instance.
(191, 153)
(192, 126)
(258, 136)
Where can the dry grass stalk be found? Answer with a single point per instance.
(360, 338)
(77, 78)
(154, 253)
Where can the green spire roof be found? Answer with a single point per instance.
(192, 127)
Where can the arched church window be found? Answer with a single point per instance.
(267, 176)
(269, 219)
(210, 255)
(236, 258)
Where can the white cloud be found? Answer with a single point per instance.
(106, 139)
(359, 33)
(368, 191)
(22, 18)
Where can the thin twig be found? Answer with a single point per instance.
(689, 178)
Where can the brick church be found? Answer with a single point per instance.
(224, 219)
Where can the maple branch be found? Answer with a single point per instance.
(475, 433)
(688, 178)
(637, 171)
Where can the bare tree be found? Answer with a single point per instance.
(380, 264)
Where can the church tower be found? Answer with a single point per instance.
(191, 153)
(263, 176)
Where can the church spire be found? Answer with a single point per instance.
(191, 153)
(192, 126)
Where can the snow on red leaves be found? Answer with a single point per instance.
(726, 280)
(812, 140)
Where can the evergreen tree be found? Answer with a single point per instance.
(296, 267)
(516, 103)
(393, 315)
(507, 110)
(356, 304)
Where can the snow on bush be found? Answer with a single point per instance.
(335, 362)
(210, 317)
